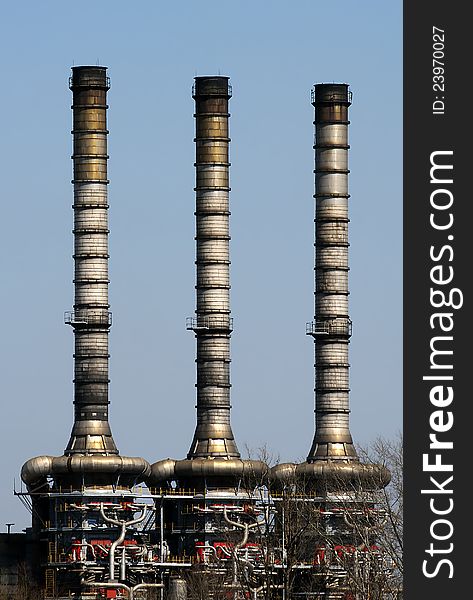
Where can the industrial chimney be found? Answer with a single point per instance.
(209, 495)
(91, 454)
(212, 325)
(331, 327)
(332, 456)
(91, 318)
(79, 498)
(213, 458)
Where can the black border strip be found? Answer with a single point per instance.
(445, 572)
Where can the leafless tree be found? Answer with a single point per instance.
(206, 583)
(339, 540)
(389, 452)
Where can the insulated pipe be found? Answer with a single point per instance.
(122, 586)
(90, 318)
(212, 325)
(122, 471)
(246, 528)
(123, 525)
(331, 328)
(123, 565)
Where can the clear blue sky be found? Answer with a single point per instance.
(273, 52)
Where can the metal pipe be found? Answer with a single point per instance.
(122, 586)
(123, 565)
(91, 317)
(212, 325)
(85, 470)
(109, 585)
(246, 529)
(144, 586)
(111, 554)
(331, 328)
(87, 545)
(123, 525)
(162, 556)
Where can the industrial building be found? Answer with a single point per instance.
(212, 524)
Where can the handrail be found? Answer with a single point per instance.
(90, 82)
(72, 317)
(209, 322)
(333, 326)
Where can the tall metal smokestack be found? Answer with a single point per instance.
(91, 318)
(213, 461)
(331, 328)
(332, 460)
(212, 325)
(67, 491)
(91, 456)
(192, 523)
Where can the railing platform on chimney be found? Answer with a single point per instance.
(73, 318)
(216, 323)
(336, 326)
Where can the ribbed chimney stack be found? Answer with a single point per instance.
(331, 328)
(212, 325)
(91, 317)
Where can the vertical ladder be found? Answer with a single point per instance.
(50, 583)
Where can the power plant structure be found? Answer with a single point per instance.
(213, 524)
(208, 509)
(84, 506)
(333, 487)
